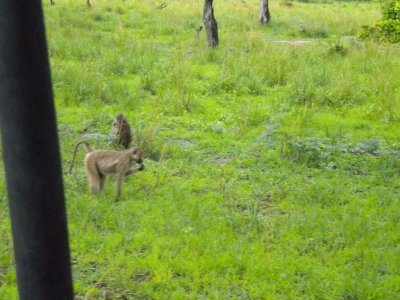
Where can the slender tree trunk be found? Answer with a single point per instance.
(265, 17)
(210, 24)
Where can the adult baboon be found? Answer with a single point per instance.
(101, 163)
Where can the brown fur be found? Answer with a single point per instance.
(122, 130)
(101, 163)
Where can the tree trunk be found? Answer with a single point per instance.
(210, 24)
(265, 17)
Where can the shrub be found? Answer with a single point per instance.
(391, 10)
(388, 29)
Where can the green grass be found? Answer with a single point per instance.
(306, 203)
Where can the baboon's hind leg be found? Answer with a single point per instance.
(102, 182)
(94, 183)
(93, 176)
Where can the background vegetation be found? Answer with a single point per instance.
(272, 161)
(387, 29)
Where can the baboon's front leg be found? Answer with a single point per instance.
(120, 179)
(134, 171)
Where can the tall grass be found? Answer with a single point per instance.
(271, 169)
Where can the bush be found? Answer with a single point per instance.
(391, 10)
(388, 29)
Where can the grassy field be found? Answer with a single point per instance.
(272, 167)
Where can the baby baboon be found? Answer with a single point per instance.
(122, 130)
(87, 2)
(101, 163)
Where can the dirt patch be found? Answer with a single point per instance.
(184, 143)
(294, 43)
(222, 161)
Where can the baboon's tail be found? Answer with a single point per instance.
(88, 148)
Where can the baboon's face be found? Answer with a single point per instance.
(137, 155)
(117, 124)
(114, 128)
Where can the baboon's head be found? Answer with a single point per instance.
(137, 155)
(120, 118)
(114, 128)
(116, 125)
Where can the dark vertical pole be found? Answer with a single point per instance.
(31, 154)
